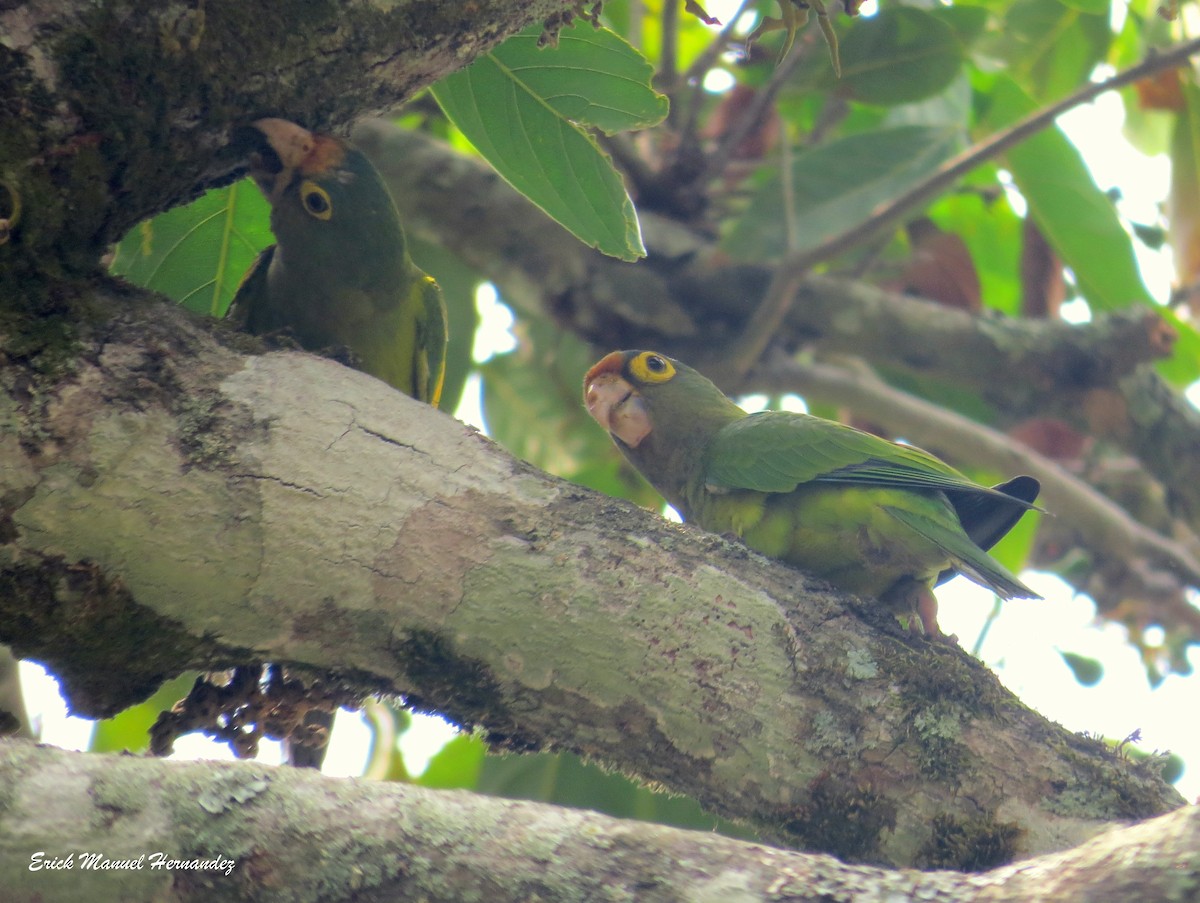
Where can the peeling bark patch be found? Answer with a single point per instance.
(439, 544)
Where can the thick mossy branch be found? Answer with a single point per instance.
(115, 111)
(259, 833)
(366, 534)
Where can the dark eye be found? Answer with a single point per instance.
(315, 200)
(656, 364)
(315, 203)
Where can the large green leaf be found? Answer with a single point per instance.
(198, 253)
(563, 779)
(1053, 46)
(837, 186)
(1095, 7)
(591, 77)
(523, 108)
(968, 22)
(456, 765)
(1076, 217)
(899, 56)
(566, 780)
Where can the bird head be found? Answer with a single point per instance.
(634, 394)
(329, 206)
(661, 414)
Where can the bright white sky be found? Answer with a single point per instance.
(1023, 644)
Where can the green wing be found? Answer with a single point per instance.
(776, 451)
(969, 560)
(431, 342)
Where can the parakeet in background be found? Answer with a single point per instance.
(339, 276)
(870, 516)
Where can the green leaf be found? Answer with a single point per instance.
(1015, 547)
(1182, 368)
(566, 780)
(1087, 671)
(1076, 217)
(992, 234)
(968, 22)
(1053, 46)
(130, 730)
(198, 253)
(1095, 7)
(456, 765)
(522, 108)
(593, 77)
(899, 56)
(837, 186)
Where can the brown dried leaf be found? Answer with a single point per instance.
(1052, 438)
(941, 268)
(1043, 287)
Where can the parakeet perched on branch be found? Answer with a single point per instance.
(339, 276)
(870, 516)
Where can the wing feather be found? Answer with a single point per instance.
(776, 451)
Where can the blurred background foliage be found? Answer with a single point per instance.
(765, 154)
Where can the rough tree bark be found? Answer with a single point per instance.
(169, 500)
(368, 841)
(283, 507)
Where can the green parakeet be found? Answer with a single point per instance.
(870, 516)
(339, 276)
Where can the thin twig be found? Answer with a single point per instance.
(750, 118)
(997, 607)
(637, 23)
(697, 71)
(793, 268)
(787, 185)
(668, 55)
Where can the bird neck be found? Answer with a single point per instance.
(672, 457)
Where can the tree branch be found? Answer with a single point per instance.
(367, 841)
(122, 110)
(790, 273)
(166, 505)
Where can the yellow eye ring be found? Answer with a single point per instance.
(650, 367)
(315, 200)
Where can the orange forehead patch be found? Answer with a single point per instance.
(326, 153)
(300, 150)
(612, 362)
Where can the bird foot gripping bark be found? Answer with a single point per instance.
(909, 598)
